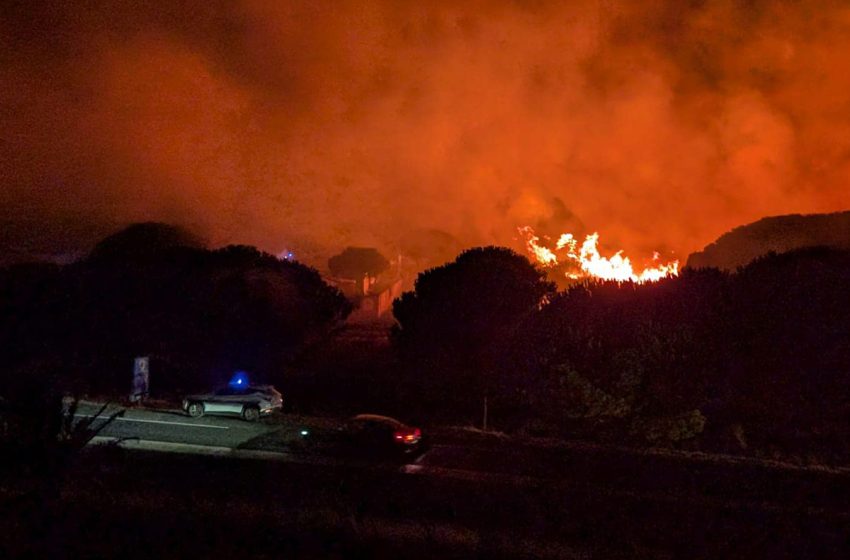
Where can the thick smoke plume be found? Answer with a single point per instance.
(315, 125)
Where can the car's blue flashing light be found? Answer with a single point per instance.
(239, 379)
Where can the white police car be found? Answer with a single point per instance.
(237, 398)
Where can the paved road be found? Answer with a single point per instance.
(602, 490)
(703, 480)
(174, 426)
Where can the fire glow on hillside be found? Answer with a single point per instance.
(588, 263)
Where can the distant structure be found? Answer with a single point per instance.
(778, 234)
(368, 279)
(372, 297)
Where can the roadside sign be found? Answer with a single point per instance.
(141, 376)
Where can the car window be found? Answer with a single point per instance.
(377, 428)
(361, 426)
(355, 426)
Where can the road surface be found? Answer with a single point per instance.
(174, 426)
(703, 479)
(683, 506)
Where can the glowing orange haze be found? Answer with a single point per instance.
(312, 125)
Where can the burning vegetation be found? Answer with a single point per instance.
(585, 261)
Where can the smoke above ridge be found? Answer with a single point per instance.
(315, 125)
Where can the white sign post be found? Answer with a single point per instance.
(141, 376)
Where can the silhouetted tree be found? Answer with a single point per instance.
(762, 353)
(453, 328)
(791, 349)
(34, 312)
(143, 241)
(356, 262)
(199, 314)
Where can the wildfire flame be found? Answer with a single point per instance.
(590, 263)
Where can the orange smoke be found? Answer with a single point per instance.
(590, 264)
(315, 125)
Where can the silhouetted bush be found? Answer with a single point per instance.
(198, 314)
(762, 352)
(758, 359)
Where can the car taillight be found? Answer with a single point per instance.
(408, 436)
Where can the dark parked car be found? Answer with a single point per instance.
(381, 435)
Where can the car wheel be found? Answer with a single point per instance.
(196, 409)
(251, 413)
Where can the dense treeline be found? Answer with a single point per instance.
(757, 358)
(152, 290)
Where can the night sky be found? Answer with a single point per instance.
(315, 125)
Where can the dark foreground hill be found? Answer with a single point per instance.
(778, 234)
